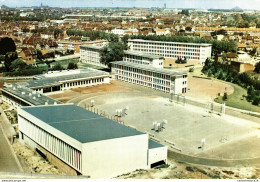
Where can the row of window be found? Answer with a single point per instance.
(142, 77)
(165, 48)
(143, 83)
(164, 44)
(85, 82)
(143, 72)
(53, 144)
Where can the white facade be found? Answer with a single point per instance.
(192, 51)
(118, 31)
(90, 54)
(148, 76)
(105, 158)
(142, 58)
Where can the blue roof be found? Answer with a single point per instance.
(80, 124)
(153, 144)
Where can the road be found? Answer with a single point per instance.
(8, 160)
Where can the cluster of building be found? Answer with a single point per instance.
(74, 139)
(143, 63)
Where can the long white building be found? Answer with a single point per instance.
(191, 51)
(91, 54)
(32, 92)
(160, 79)
(90, 144)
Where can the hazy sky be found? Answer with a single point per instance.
(204, 4)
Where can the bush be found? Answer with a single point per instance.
(256, 101)
(225, 97)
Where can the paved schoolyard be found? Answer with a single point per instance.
(226, 136)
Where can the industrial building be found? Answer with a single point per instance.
(191, 51)
(160, 79)
(89, 143)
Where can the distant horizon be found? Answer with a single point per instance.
(184, 4)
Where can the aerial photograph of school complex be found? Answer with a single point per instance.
(130, 89)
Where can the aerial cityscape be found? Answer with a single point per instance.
(130, 89)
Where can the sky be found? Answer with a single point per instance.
(198, 4)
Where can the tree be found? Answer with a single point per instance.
(225, 97)
(257, 68)
(9, 58)
(7, 45)
(113, 52)
(57, 67)
(17, 65)
(72, 65)
(189, 29)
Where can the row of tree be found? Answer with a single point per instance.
(93, 35)
(228, 73)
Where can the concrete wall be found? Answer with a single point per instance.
(109, 158)
(57, 162)
(157, 154)
(157, 63)
(178, 85)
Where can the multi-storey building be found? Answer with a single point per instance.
(143, 58)
(191, 51)
(90, 54)
(148, 76)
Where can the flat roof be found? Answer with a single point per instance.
(80, 124)
(42, 80)
(142, 54)
(29, 95)
(92, 47)
(150, 68)
(166, 42)
(153, 144)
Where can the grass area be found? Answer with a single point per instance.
(64, 63)
(237, 100)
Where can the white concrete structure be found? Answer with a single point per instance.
(118, 31)
(91, 54)
(58, 81)
(30, 93)
(191, 51)
(90, 144)
(143, 58)
(160, 79)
